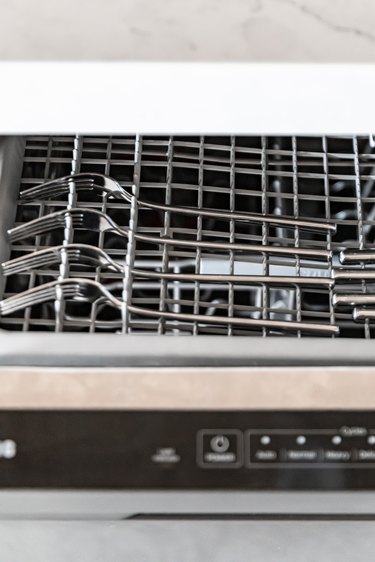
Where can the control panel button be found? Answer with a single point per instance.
(219, 448)
(322, 447)
(220, 443)
(265, 455)
(300, 455)
(366, 455)
(8, 449)
(276, 448)
(338, 455)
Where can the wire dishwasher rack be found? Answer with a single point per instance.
(209, 285)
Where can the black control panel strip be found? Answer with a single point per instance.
(257, 450)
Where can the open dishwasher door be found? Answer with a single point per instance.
(191, 527)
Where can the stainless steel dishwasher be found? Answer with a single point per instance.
(186, 354)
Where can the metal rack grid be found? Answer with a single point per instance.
(326, 177)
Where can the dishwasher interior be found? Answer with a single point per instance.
(231, 236)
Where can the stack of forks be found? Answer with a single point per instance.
(90, 291)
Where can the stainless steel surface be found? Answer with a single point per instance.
(363, 314)
(11, 160)
(188, 540)
(24, 349)
(116, 505)
(353, 299)
(188, 201)
(349, 257)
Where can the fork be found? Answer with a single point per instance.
(84, 290)
(77, 253)
(91, 219)
(87, 290)
(85, 253)
(105, 184)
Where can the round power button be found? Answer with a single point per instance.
(220, 443)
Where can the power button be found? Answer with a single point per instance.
(219, 448)
(220, 443)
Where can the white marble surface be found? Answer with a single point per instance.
(189, 30)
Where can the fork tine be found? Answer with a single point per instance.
(35, 296)
(41, 258)
(75, 252)
(32, 297)
(83, 289)
(81, 182)
(54, 189)
(44, 224)
(26, 263)
(38, 226)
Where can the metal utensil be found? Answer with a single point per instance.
(77, 253)
(353, 256)
(105, 184)
(86, 290)
(97, 221)
(363, 314)
(85, 253)
(323, 329)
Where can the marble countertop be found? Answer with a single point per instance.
(188, 30)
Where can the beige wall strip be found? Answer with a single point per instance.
(188, 388)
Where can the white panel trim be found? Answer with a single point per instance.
(239, 98)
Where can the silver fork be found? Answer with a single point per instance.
(91, 219)
(85, 253)
(77, 253)
(88, 254)
(105, 184)
(86, 290)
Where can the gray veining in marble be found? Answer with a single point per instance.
(188, 30)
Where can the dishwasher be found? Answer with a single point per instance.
(186, 357)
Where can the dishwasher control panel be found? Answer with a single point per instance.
(274, 448)
(244, 450)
